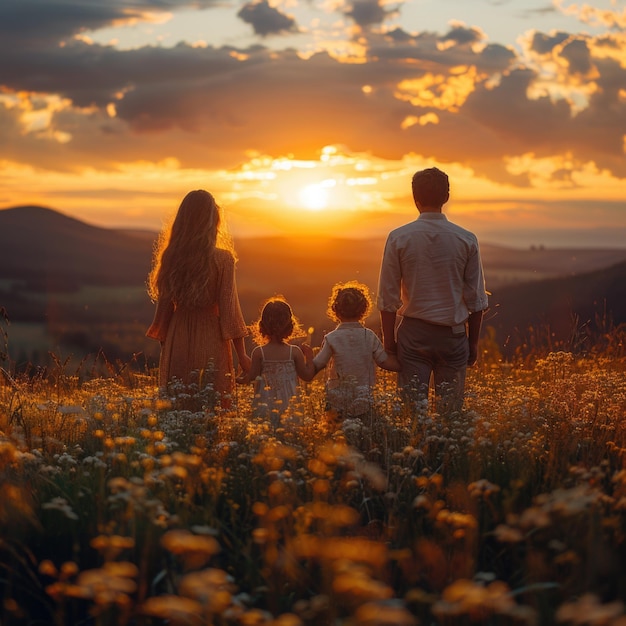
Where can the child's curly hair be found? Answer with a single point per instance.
(349, 300)
(277, 320)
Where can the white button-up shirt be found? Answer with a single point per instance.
(432, 270)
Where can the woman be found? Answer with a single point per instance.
(198, 316)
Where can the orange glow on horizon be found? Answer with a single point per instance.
(315, 197)
(336, 192)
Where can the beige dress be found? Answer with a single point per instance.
(198, 338)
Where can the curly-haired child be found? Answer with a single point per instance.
(352, 350)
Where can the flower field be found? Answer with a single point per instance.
(122, 505)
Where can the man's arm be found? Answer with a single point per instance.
(388, 327)
(474, 324)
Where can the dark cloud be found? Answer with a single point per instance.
(368, 12)
(496, 58)
(265, 19)
(399, 35)
(547, 127)
(210, 106)
(544, 44)
(463, 35)
(93, 74)
(522, 123)
(578, 56)
(31, 23)
(547, 9)
(425, 48)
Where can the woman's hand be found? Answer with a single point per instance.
(244, 362)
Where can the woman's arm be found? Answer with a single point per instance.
(232, 322)
(242, 355)
(161, 321)
(254, 371)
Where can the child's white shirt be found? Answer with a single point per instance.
(352, 351)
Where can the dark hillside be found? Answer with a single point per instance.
(560, 309)
(83, 286)
(50, 251)
(548, 262)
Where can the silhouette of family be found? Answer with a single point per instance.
(431, 298)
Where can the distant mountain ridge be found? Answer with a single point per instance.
(51, 250)
(38, 243)
(43, 253)
(561, 307)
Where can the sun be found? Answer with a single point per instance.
(314, 197)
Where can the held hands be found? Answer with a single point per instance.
(307, 351)
(391, 363)
(243, 378)
(310, 370)
(244, 364)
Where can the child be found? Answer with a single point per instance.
(352, 351)
(276, 365)
(198, 318)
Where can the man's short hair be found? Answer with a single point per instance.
(431, 187)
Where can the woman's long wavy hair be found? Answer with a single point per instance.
(183, 263)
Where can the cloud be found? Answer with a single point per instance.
(541, 43)
(547, 9)
(367, 13)
(577, 54)
(34, 23)
(545, 126)
(462, 35)
(461, 46)
(454, 97)
(595, 16)
(265, 19)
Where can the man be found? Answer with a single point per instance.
(431, 274)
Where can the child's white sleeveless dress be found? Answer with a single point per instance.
(275, 387)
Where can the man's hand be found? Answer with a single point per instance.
(388, 327)
(474, 325)
(473, 357)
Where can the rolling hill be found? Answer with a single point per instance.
(559, 309)
(85, 285)
(51, 251)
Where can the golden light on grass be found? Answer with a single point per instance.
(212, 587)
(175, 609)
(111, 546)
(193, 550)
(418, 520)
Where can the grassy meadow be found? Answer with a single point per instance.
(122, 504)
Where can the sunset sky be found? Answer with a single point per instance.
(310, 116)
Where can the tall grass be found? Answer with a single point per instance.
(122, 504)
